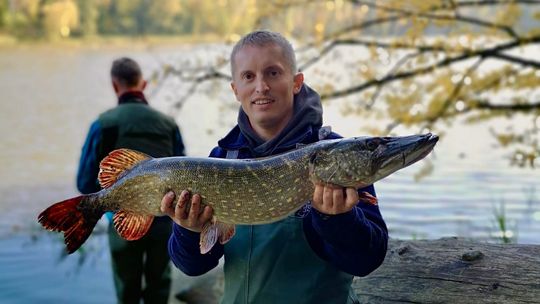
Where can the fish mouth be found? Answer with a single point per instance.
(403, 151)
(425, 146)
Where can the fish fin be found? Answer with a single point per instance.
(132, 226)
(324, 132)
(117, 162)
(227, 232)
(213, 231)
(76, 223)
(366, 197)
(209, 236)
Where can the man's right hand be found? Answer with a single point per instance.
(191, 218)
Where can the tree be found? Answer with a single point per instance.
(58, 18)
(89, 13)
(429, 63)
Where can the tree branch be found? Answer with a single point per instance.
(522, 107)
(495, 2)
(518, 60)
(455, 17)
(485, 53)
(455, 93)
(392, 71)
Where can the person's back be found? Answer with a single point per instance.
(133, 124)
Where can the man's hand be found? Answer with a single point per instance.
(332, 199)
(192, 218)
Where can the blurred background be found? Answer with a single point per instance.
(466, 70)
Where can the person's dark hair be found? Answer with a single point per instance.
(262, 38)
(126, 71)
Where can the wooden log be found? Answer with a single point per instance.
(449, 270)
(454, 270)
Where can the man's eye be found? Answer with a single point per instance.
(248, 76)
(274, 73)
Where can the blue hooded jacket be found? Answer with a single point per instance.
(258, 258)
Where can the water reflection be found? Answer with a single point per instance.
(35, 269)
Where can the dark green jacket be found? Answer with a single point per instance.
(133, 125)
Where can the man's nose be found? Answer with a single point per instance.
(261, 86)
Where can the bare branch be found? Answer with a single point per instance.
(496, 2)
(364, 25)
(453, 17)
(455, 93)
(518, 60)
(195, 82)
(484, 53)
(400, 45)
(431, 48)
(392, 71)
(522, 107)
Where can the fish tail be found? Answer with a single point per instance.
(71, 217)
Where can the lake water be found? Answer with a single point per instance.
(50, 96)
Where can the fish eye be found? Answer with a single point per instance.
(372, 144)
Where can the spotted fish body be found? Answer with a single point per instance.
(249, 191)
(239, 191)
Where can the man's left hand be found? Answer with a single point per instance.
(331, 199)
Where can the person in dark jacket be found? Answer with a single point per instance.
(310, 257)
(133, 124)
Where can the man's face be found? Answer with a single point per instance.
(264, 85)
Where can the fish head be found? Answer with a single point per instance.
(361, 161)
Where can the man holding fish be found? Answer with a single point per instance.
(304, 258)
(248, 201)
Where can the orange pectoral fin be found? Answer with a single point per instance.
(214, 231)
(132, 226)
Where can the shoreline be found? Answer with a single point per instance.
(110, 42)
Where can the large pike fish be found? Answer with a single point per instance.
(245, 191)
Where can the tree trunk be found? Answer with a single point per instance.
(453, 270)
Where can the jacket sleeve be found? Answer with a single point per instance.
(185, 253)
(88, 170)
(184, 249)
(355, 242)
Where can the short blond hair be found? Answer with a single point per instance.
(262, 38)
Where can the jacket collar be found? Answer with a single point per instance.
(235, 140)
(132, 97)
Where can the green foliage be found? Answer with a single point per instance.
(34, 18)
(3, 13)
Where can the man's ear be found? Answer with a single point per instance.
(143, 85)
(115, 87)
(233, 87)
(298, 82)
